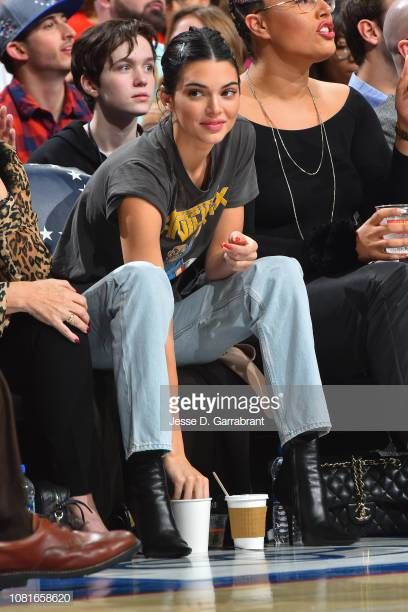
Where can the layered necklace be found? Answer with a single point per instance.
(277, 136)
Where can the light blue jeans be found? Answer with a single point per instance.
(131, 310)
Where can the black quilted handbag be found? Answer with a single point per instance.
(53, 502)
(368, 497)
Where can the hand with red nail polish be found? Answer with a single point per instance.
(51, 301)
(240, 251)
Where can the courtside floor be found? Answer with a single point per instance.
(371, 575)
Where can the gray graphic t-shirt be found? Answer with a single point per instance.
(150, 168)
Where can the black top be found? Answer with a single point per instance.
(72, 148)
(367, 173)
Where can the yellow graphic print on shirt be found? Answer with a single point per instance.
(182, 224)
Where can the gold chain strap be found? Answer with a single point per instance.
(358, 466)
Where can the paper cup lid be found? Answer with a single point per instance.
(247, 497)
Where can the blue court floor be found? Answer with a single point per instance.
(370, 575)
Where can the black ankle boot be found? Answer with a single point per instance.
(298, 487)
(148, 501)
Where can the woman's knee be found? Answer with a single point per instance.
(278, 269)
(382, 279)
(145, 280)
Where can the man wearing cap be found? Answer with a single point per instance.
(35, 46)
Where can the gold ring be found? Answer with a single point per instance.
(70, 318)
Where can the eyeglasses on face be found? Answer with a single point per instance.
(304, 6)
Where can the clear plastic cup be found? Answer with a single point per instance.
(400, 223)
(217, 530)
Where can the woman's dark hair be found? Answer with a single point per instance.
(96, 45)
(239, 10)
(353, 11)
(195, 45)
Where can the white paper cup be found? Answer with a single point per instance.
(192, 517)
(247, 517)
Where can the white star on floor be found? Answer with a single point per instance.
(46, 234)
(75, 174)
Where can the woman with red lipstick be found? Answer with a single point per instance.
(157, 236)
(323, 164)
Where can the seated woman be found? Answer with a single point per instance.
(323, 164)
(113, 67)
(44, 322)
(168, 201)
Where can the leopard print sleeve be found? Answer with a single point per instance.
(3, 306)
(23, 255)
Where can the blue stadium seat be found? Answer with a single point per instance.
(54, 191)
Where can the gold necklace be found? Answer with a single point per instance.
(324, 140)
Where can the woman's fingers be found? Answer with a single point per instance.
(177, 488)
(383, 213)
(235, 256)
(188, 488)
(65, 331)
(79, 319)
(7, 132)
(392, 243)
(77, 309)
(202, 488)
(238, 266)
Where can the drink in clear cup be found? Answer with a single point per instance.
(400, 223)
(217, 530)
(247, 515)
(192, 518)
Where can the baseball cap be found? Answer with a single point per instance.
(17, 16)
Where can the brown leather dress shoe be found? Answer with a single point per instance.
(53, 551)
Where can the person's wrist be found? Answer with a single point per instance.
(16, 297)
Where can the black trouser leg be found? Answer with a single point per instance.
(360, 323)
(54, 377)
(15, 521)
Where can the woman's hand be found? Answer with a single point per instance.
(7, 132)
(371, 244)
(240, 251)
(54, 302)
(188, 483)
